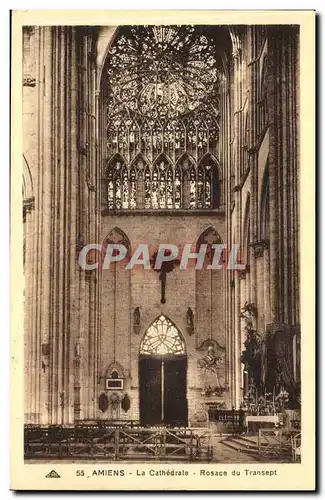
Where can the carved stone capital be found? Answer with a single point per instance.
(28, 206)
(259, 247)
(242, 273)
(90, 275)
(29, 81)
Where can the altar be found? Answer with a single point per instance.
(255, 422)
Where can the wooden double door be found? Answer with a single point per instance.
(163, 390)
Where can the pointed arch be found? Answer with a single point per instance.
(211, 158)
(114, 367)
(117, 236)
(235, 40)
(209, 290)
(162, 338)
(115, 299)
(185, 157)
(162, 157)
(209, 236)
(208, 183)
(105, 39)
(139, 158)
(116, 158)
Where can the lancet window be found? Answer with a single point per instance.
(162, 186)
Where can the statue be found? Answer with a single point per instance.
(136, 320)
(190, 321)
(210, 364)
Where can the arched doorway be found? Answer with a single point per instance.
(162, 375)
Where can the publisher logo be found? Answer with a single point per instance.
(53, 473)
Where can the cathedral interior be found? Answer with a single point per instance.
(160, 135)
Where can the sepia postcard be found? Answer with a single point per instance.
(163, 250)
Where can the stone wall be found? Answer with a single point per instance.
(124, 290)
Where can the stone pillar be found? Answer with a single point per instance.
(55, 209)
(243, 298)
(259, 248)
(29, 222)
(266, 282)
(273, 174)
(236, 340)
(225, 200)
(44, 220)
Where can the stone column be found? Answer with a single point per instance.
(259, 248)
(273, 174)
(58, 245)
(267, 315)
(224, 156)
(236, 340)
(44, 220)
(29, 222)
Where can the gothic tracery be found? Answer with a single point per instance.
(161, 82)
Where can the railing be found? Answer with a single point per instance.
(106, 423)
(235, 417)
(227, 421)
(276, 443)
(117, 443)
